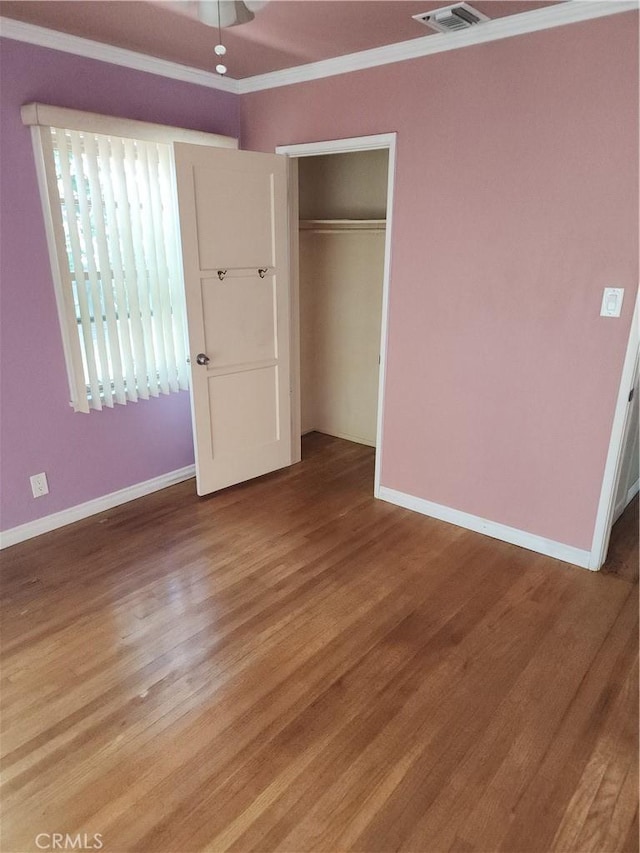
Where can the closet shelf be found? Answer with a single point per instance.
(327, 226)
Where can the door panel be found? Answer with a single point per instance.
(253, 426)
(230, 205)
(233, 219)
(232, 334)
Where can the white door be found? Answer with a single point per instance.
(233, 223)
(629, 466)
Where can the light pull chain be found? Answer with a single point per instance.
(220, 49)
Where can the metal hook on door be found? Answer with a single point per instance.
(263, 271)
(221, 274)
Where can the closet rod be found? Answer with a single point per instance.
(329, 226)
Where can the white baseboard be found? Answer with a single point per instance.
(356, 439)
(75, 513)
(633, 491)
(549, 547)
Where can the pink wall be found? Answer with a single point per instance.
(516, 203)
(84, 456)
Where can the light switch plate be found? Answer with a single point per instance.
(612, 302)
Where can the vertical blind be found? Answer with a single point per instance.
(120, 230)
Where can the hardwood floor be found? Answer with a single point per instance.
(291, 665)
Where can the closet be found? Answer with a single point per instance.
(342, 203)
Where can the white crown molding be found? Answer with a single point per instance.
(43, 37)
(569, 12)
(76, 513)
(548, 547)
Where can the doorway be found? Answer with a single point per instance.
(340, 218)
(620, 465)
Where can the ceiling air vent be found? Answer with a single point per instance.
(450, 19)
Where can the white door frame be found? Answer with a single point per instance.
(631, 489)
(606, 506)
(315, 149)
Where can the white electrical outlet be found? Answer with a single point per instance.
(39, 485)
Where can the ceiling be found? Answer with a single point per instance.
(285, 33)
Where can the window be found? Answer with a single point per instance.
(120, 234)
(113, 239)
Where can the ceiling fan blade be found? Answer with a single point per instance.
(232, 13)
(255, 5)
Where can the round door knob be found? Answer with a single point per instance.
(201, 358)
